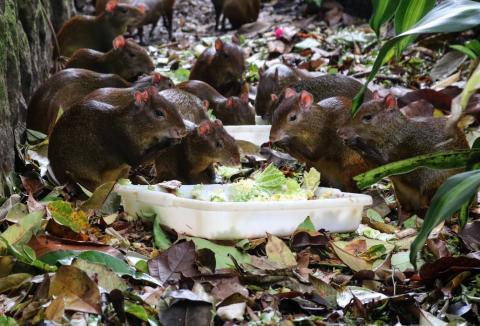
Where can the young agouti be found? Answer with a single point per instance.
(96, 142)
(321, 87)
(221, 67)
(126, 59)
(238, 12)
(192, 160)
(231, 111)
(382, 134)
(307, 131)
(98, 32)
(67, 87)
(190, 106)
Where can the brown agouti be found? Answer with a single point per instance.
(190, 106)
(382, 134)
(154, 9)
(67, 87)
(126, 59)
(307, 131)
(192, 160)
(221, 67)
(238, 12)
(98, 32)
(321, 87)
(231, 111)
(96, 142)
(272, 82)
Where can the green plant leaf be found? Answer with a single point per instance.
(441, 160)
(449, 16)
(22, 232)
(159, 237)
(222, 253)
(409, 12)
(448, 199)
(465, 50)
(382, 12)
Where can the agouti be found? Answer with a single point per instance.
(272, 82)
(190, 106)
(126, 59)
(307, 131)
(96, 142)
(382, 134)
(231, 111)
(98, 32)
(191, 161)
(221, 67)
(238, 12)
(321, 87)
(67, 87)
(154, 9)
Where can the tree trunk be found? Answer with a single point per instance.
(26, 57)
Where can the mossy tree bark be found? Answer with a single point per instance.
(26, 58)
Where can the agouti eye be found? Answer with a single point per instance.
(292, 118)
(219, 144)
(159, 113)
(367, 118)
(122, 10)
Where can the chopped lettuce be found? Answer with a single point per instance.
(271, 179)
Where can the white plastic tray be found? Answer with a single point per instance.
(243, 220)
(257, 135)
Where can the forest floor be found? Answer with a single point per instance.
(76, 262)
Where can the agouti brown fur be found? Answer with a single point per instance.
(321, 87)
(96, 142)
(382, 134)
(307, 131)
(97, 32)
(126, 59)
(238, 12)
(190, 106)
(231, 111)
(221, 67)
(67, 87)
(191, 162)
(272, 82)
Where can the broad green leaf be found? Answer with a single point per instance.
(448, 199)
(382, 12)
(409, 12)
(278, 252)
(441, 160)
(449, 16)
(13, 281)
(307, 225)
(159, 237)
(222, 253)
(401, 261)
(103, 275)
(22, 232)
(7, 321)
(98, 197)
(64, 214)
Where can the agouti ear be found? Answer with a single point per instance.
(141, 7)
(141, 98)
(289, 92)
(273, 98)
(203, 128)
(230, 102)
(218, 45)
(111, 5)
(390, 102)
(119, 42)
(156, 78)
(306, 100)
